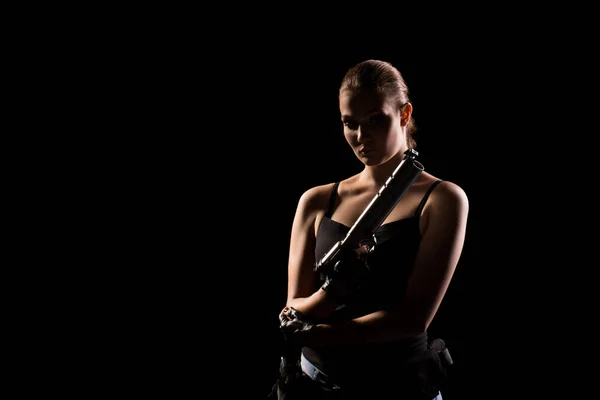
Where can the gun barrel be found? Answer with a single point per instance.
(379, 208)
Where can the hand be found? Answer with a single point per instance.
(294, 324)
(348, 273)
(353, 265)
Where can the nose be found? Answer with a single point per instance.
(363, 133)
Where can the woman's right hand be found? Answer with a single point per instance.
(348, 273)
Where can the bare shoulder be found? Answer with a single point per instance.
(316, 196)
(315, 200)
(449, 197)
(452, 192)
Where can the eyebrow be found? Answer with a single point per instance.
(373, 111)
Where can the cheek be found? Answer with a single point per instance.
(350, 138)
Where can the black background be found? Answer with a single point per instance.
(217, 176)
(215, 149)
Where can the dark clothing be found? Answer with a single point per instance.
(396, 245)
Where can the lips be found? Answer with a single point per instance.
(365, 150)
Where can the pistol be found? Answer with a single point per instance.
(377, 210)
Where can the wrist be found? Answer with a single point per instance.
(320, 335)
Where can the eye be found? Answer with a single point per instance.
(351, 125)
(376, 119)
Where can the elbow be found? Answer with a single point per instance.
(316, 307)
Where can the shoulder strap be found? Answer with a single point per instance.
(332, 200)
(424, 199)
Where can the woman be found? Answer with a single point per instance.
(363, 333)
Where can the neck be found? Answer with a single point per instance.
(377, 175)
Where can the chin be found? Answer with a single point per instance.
(374, 160)
(371, 161)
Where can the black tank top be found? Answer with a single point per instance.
(391, 263)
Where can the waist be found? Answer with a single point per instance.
(314, 373)
(336, 361)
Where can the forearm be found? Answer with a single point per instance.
(319, 305)
(380, 326)
(345, 278)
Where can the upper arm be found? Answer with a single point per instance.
(301, 261)
(442, 240)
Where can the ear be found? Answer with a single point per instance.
(405, 114)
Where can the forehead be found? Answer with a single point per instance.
(364, 102)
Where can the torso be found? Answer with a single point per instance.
(391, 264)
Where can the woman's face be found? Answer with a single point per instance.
(373, 126)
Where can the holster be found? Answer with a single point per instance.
(294, 385)
(429, 370)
